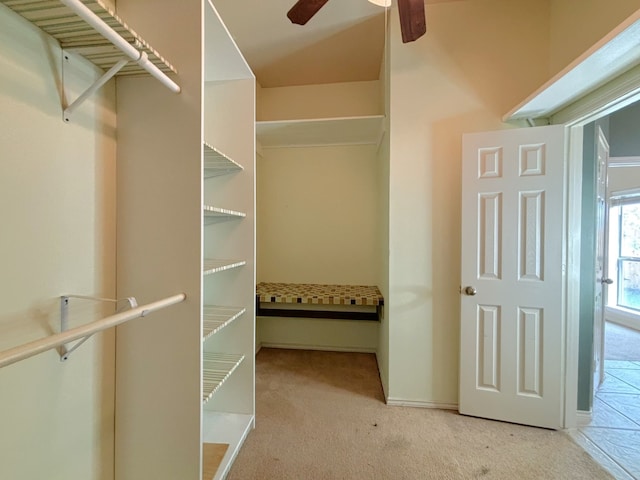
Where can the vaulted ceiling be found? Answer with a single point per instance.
(343, 42)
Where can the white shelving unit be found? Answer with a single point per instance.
(175, 188)
(218, 366)
(229, 127)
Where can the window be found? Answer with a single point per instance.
(624, 252)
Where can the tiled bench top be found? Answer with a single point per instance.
(311, 293)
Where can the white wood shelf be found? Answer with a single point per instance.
(216, 369)
(76, 36)
(364, 130)
(212, 214)
(214, 265)
(228, 110)
(216, 317)
(217, 163)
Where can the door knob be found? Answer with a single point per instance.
(608, 281)
(470, 291)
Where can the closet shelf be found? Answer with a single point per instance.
(217, 163)
(76, 35)
(216, 317)
(214, 265)
(212, 214)
(363, 130)
(217, 368)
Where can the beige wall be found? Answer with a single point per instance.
(577, 25)
(58, 237)
(320, 101)
(477, 61)
(317, 215)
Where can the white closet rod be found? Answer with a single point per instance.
(30, 349)
(129, 50)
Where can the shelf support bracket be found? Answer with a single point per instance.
(64, 350)
(94, 87)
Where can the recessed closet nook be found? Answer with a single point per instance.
(319, 211)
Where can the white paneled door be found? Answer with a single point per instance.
(512, 323)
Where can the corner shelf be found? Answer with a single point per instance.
(212, 214)
(217, 163)
(216, 369)
(215, 318)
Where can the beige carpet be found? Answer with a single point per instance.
(321, 415)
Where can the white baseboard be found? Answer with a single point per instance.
(324, 348)
(583, 418)
(399, 402)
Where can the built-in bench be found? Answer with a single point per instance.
(307, 300)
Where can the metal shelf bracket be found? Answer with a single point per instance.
(66, 114)
(65, 350)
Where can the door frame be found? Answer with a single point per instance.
(573, 98)
(606, 100)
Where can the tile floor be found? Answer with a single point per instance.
(613, 435)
